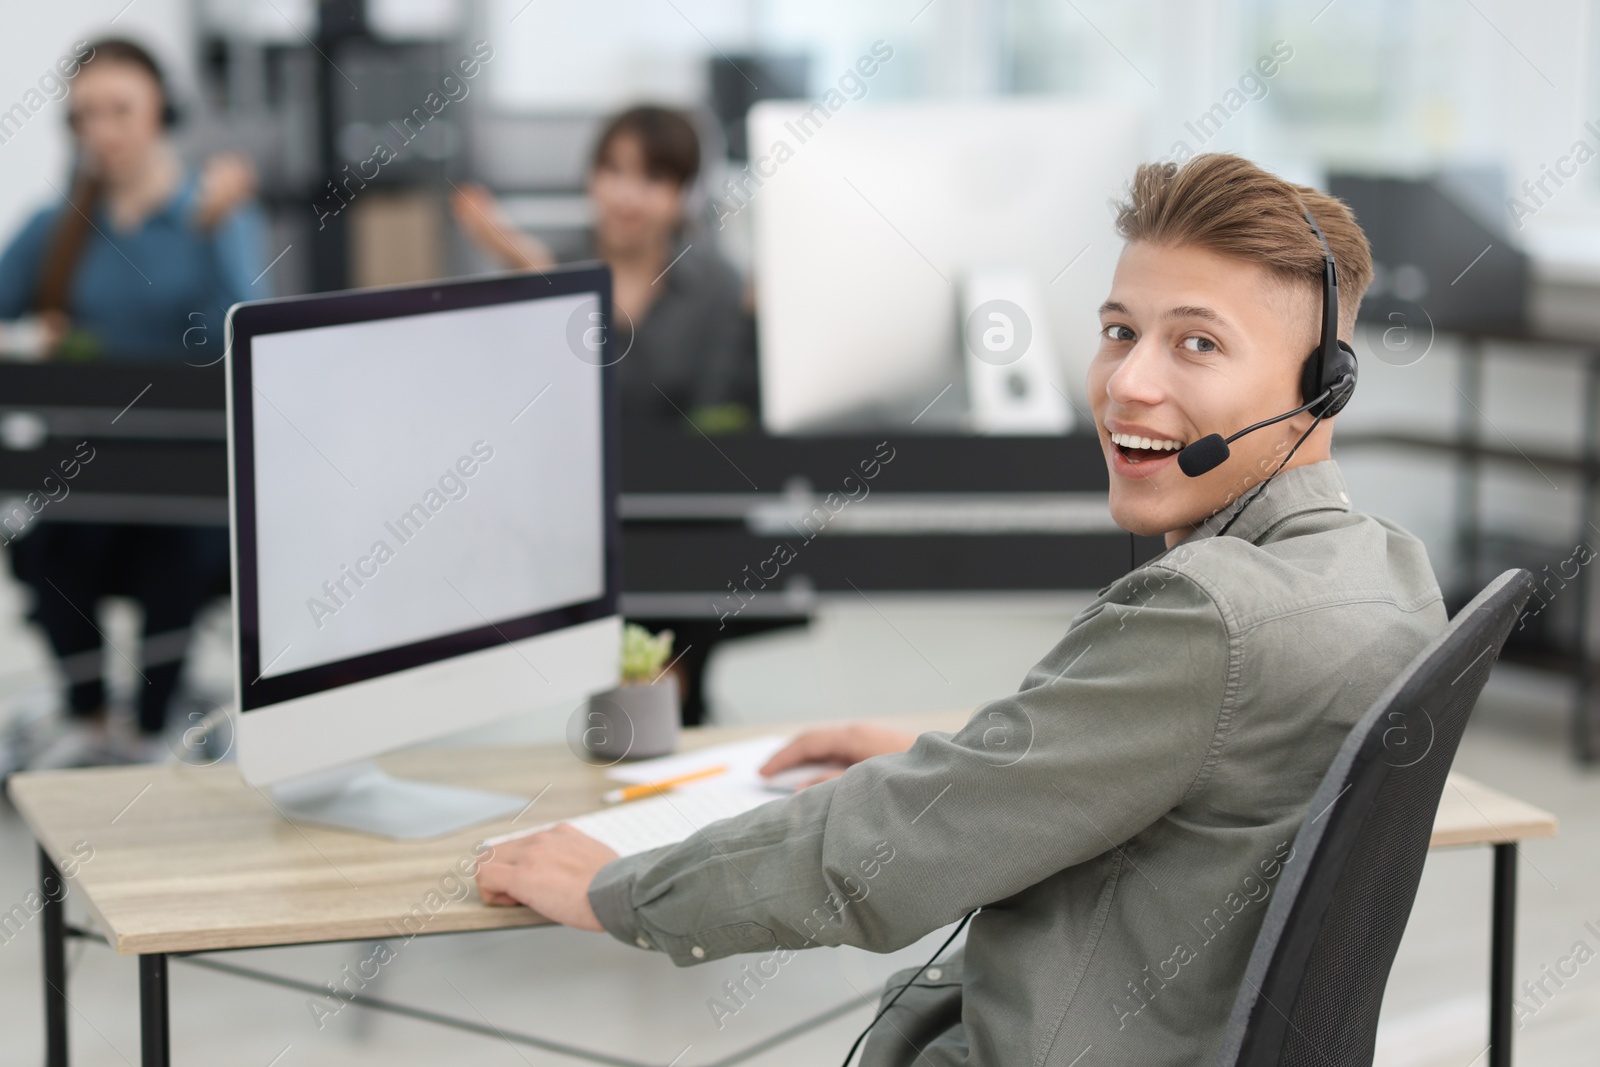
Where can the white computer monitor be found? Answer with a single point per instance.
(871, 222)
(425, 538)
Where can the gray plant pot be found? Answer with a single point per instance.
(634, 721)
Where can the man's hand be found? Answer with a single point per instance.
(226, 181)
(549, 872)
(842, 745)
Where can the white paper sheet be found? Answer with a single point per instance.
(742, 758)
(641, 825)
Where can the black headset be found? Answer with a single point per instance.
(1330, 370)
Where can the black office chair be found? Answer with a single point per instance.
(1315, 980)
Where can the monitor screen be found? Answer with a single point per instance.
(419, 485)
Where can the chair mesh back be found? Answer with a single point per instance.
(1316, 976)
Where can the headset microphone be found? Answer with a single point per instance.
(1211, 451)
(1327, 379)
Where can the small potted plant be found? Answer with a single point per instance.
(638, 719)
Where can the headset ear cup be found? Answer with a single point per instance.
(1310, 385)
(1338, 374)
(1341, 377)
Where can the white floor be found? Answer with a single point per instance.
(588, 990)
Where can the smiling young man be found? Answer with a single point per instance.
(1122, 819)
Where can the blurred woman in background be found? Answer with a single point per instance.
(680, 314)
(682, 319)
(147, 255)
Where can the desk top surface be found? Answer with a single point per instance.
(193, 859)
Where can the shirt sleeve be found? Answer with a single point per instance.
(20, 265)
(1108, 733)
(238, 248)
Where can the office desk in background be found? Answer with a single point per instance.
(159, 433)
(192, 860)
(1015, 517)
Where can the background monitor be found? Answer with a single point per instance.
(870, 223)
(1423, 231)
(424, 526)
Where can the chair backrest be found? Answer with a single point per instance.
(1316, 976)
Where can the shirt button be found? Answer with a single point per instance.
(698, 953)
(641, 942)
(934, 974)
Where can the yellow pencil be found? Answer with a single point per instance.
(650, 789)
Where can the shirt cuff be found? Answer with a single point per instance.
(611, 897)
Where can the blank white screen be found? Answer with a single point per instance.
(354, 425)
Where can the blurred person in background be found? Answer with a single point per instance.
(146, 250)
(681, 317)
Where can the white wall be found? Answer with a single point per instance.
(583, 55)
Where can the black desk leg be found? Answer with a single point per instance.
(156, 1050)
(54, 892)
(1502, 955)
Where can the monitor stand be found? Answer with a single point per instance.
(361, 797)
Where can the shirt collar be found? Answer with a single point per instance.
(181, 206)
(1314, 487)
(681, 263)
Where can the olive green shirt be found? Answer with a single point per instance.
(1121, 820)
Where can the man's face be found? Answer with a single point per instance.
(1194, 343)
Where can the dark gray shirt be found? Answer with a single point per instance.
(1121, 819)
(696, 345)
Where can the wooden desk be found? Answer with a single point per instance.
(1470, 813)
(191, 859)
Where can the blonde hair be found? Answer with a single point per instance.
(1230, 206)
